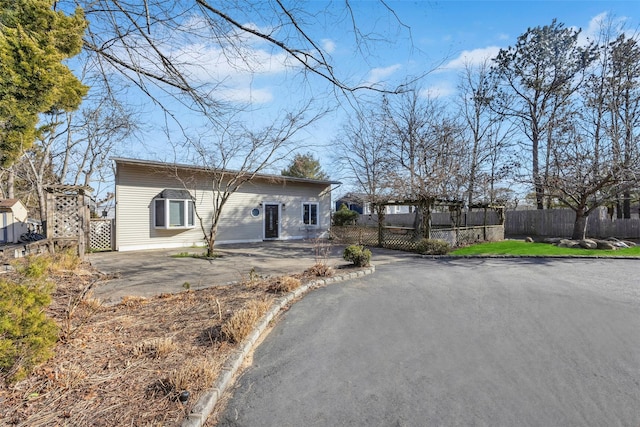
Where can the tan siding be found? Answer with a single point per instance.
(137, 185)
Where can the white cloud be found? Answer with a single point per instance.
(328, 45)
(472, 57)
(595, 26)
(438, 90)
(377, 75)
(593, 29)
(246, 95)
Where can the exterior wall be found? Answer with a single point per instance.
(13, 223)
(138, 185)
(20, 212)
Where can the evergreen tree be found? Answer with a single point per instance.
(305, 166)
(35, 39)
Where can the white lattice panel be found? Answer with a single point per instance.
(101, 235)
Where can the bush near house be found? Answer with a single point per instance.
(344, 216)
(432, 247)
(357, 255)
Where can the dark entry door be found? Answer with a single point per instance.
(271, 221)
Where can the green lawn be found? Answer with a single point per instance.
(518, 247)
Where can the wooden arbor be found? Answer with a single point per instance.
(68, 216)
(424, 207)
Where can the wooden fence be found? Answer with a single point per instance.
(559, 223)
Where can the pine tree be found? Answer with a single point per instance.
(35, 39)
(304, 166)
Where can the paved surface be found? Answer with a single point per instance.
(515, 342)
(148, 273)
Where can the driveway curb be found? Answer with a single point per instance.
(207, 402)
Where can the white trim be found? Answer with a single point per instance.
(317, 224)
(167, 214)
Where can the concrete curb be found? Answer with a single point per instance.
(207, 402)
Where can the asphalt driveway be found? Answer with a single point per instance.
(148, 273)
(486, 342)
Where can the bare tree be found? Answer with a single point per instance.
(362, 152)
(236, 156)
(426, 147)
(583, 179)
(74, 147)
(190, 50)
(623, 104)
(488, 136)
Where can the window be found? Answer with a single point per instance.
(171, 213)
(310, 213)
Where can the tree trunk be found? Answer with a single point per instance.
(11, 179)
(626, 205)
(211, 240)
(380, 210)
(580, 225)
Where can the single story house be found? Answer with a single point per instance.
(162, 205)
(13, 220)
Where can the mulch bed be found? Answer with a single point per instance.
(127, 364)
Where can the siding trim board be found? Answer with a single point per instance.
(139, 182)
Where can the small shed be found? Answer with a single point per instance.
(13, 220)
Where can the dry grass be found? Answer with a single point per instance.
(320, 269)
(126, 364)
(155, 348)
(243, 321)
(284, 284)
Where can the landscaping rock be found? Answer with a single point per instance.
(568, 243)
(619, 244)
(553, 240)
(606, 245)
(528, 239)
(588, 244)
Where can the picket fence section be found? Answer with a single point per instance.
(559, 223)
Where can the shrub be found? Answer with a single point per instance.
(320, 269)
(344, 216)
(432, 247)
(155, 348)
(243, 321)
(34, 266)
(27, 336)
(357, 255)
(284, 284)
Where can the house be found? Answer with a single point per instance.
(13, 220)
(353, 201)
(358, 202)
(162, 205)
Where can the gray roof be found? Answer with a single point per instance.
(140, 162)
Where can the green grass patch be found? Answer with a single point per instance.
(518, 247)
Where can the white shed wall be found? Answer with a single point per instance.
(137, 185)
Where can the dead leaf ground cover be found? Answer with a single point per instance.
(127, 364)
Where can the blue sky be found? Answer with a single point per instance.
(433, 37)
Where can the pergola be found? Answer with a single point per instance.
(424, 207)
